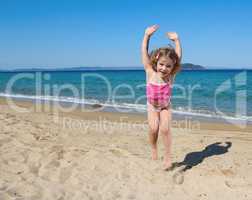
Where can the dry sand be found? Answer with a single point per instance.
(95, 156)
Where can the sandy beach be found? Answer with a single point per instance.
(101, 155)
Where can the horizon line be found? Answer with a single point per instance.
(114, 67)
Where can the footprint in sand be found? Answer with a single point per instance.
(42, 135)
(37, 126)
(34, 168)
(116, 152)
(9, 116)
(58, 150)
(12, 122)
(49, 171)
(51, 167)
(119, 152)
(3, 186)
(25, 191)
(65, 173)
(178, 178)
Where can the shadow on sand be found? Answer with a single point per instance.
(194, 158)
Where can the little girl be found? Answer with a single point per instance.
(160, 67)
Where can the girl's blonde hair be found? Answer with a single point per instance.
(165, 52)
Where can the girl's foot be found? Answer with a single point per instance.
(154, 154)
(172, 166)
(167, 165)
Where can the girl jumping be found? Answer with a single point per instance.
(161, 66)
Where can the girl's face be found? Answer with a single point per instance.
(164, 66)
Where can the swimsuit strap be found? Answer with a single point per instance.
(170, 80)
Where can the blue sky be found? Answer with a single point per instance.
(69, 33)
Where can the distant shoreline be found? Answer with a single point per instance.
(61, 70)
(209, 124)
(83, 69)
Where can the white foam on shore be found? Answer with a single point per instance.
(127, 107)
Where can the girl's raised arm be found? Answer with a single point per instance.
(145, 45)
(174, 37)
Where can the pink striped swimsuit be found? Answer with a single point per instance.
(158, 95)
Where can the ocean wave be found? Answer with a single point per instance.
(128, 107)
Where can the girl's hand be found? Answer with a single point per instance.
(150, 30)
(172, 36)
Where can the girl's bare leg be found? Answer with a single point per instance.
(165, 130)
(153, 121)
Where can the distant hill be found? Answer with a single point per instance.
(190, 66)
(185, 66)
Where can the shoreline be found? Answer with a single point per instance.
(180, 122)
(138, 109)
